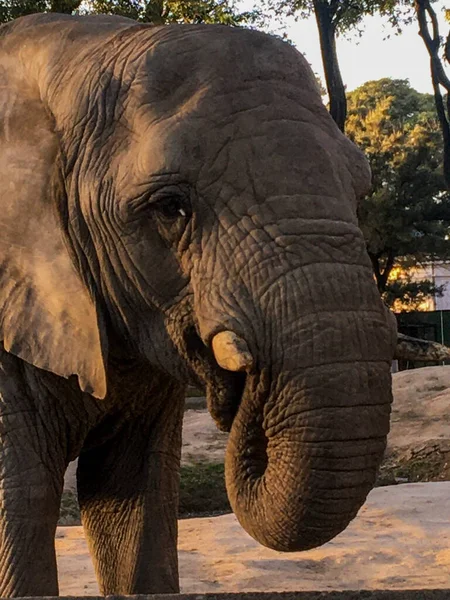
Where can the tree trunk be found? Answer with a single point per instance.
(333, 78)
(154, 12)
(64, 6)
(426, 17)
(382, 275)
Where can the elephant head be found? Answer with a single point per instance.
(181, 194)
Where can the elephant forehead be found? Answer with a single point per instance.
(211, 75)
(181, 59)
(196, 99)
(198, 88)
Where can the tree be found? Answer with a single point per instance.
(406, 293)
(429, 31)
(148, 11)
(175, 11)
(12, 9)
(406, 217)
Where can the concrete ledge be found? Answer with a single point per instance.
(345, 595)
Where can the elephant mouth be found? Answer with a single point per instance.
(224, 389)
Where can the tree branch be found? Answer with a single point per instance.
(384, 275)
(432, 43)
(333, 78)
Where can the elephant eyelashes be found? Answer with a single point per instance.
(172, 208)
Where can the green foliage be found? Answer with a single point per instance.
(404, 294)
(12, 9)
(69, 511)
(202, 490)
(174, 11)
(346, 16)
(407, 214)
(148, 11)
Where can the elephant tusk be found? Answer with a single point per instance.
(231, 352)
(410, 348)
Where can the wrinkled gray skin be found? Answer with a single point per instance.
(158, 186)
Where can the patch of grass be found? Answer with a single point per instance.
(406, 473)
(427, 462)
(437, 388)
(202, 493)
(193, 392)
(409, 414)
(69, 512)
(202, 490)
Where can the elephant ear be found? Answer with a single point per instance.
(47, 316)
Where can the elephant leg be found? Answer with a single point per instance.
(128, 493)
(30, 498)
(32, 469)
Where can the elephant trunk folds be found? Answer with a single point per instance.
(311, 429)
(297, 481)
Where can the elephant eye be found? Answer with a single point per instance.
(172, 208)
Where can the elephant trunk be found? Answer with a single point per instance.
(311, 428)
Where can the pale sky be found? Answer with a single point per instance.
(371, 56)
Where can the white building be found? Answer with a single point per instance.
(439, 274)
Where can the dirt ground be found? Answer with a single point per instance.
(421, 408)
(419, 440)
(400, 539)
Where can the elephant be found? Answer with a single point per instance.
(177, 207)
